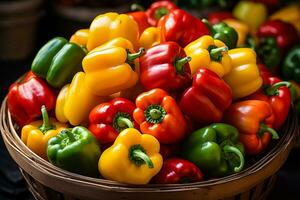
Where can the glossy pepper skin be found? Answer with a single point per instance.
(110, 26)
(219, 16)
(170, 71)
(254, 120)
(205, 101)
(150, 37)
(58, 61)
(141, 19)
(181, 27)
(75, 101)
(291, 69)
(37, 134)
(206, 52)
(158, 114)
(75, 150)
(176, 170)
(119, 67)
(244, 78)
(215, 149)
(80, 37)
(24, 99)
(276, 37)
(133, 158)
(159, 9)
(277, 94)
(108, 119)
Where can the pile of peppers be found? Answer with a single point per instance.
(159, 96)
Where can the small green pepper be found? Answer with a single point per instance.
(291, 68)
(215, 150)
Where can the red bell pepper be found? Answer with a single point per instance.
(218, 16)
(169, 150)
(159, 9)
(205, 101)
(157, 114)
(178, 171)
(107, 120)
(181, 27)
(26, 98)
(141, 19)
(169, 71)
(254, 120)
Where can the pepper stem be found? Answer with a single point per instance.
(138, 156)
(136, 7)
(124, 122)
(121, 121)
(208, 25)
(236, 151)
(264, 128)
(273, 90)
(133, 56)
(46, 126)
(160, 12)
(155, 114)
(69, 134)
(180, 63)
(216, 53)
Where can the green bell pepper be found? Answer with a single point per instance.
(291, 68)
(215, 150)
(58, 61)
(75, 150)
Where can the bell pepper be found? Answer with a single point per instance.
(206, 52)
(141, 18)
(58, 61)
(252, 13)
(219, 16)
(290, 14)
(276, 37)
(269, 2)
(244, 79)
(221, 31)
(205, 101)
(157, 114)
(254, 120)
(80, 37)
(215, 149)
(150, 37)
(110, 26)
(159, 9)
(25, 98)
(37, 134)
(133, 158)
(181, 27)
(108, 119)
(175, 171)
(119, 67)
(291, 68)
(75, 101)
(75, 150)
(170, 71)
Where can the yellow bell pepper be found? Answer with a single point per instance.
(150, 37)
(75, 101)
(112, 67)
(289, 14)
(36, 134)
(80, 37)
(244, 78)
(206, 52)
(111, 25)
(133, 158)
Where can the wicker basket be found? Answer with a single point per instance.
(46, 181)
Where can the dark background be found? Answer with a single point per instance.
(55, 22)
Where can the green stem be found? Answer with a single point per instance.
(273, 90)
(121, 121)
(69, 135)
(216, 53)
(179, 64)
(236, 151)
(155, 114)
(132, 56)
(208, 25)
(139, 157)
(264, 128)
(137, 7)
(46, 126)
(160, 12)
(124, 122)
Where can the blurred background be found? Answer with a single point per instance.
(25, 25)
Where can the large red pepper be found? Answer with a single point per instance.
(254, 120)
(176, 171)
(159, 9)
(276, 37)
(107, 120)
(219, 16)
(181, 27)
(169, 71)
(141, 19)
(26, 98)
(157, 114)
(205, 101)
